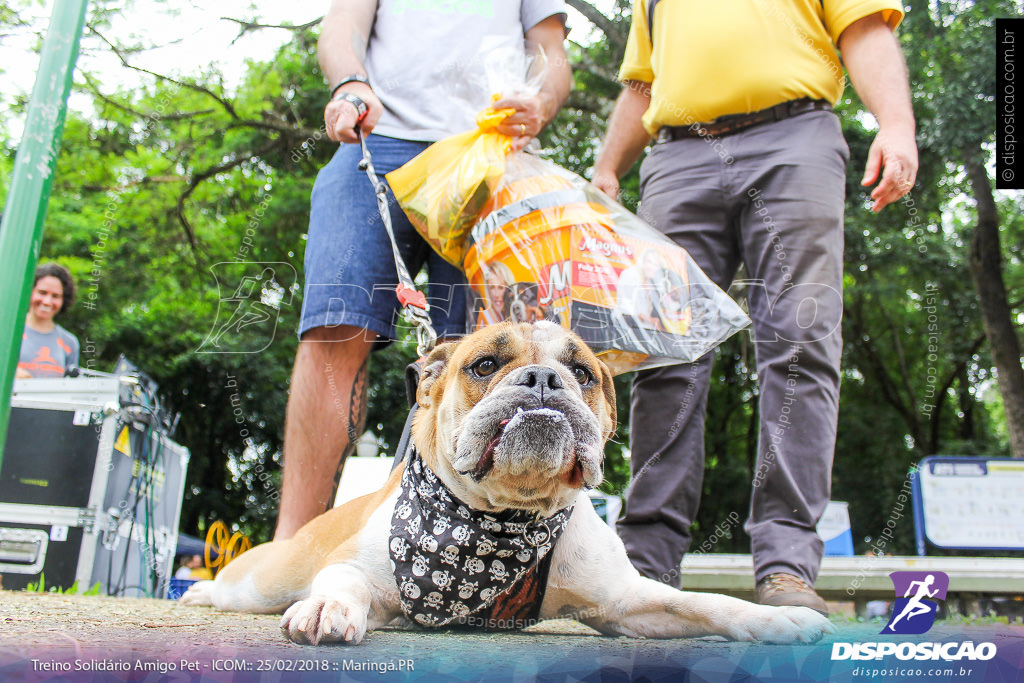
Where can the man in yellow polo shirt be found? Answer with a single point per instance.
(748, 166)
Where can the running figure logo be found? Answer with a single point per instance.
(251, 297)
(914, 612)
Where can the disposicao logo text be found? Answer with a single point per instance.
(913, 613)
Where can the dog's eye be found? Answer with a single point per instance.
(582, 375)
(484, 367)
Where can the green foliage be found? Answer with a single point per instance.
(151, 193)
(950, 52)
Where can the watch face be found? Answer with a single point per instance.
(355, 101)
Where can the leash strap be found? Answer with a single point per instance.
(413, 372)
(414, 302)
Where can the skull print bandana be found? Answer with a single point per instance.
(451, 561)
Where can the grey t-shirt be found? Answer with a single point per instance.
(425, 57)
(48, 354)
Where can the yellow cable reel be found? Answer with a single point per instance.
(227, 546)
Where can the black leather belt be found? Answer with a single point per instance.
(733, 123)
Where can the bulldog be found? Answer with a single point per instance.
(488, 523)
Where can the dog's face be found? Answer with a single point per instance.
(515, 416)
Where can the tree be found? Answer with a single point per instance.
(951, 64)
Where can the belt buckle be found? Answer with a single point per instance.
(664, 135)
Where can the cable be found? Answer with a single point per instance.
(141, 410)
(137, 473)
(154, 451)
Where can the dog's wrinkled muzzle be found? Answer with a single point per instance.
(531, 425)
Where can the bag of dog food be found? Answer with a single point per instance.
(551, 246)
(538, 242)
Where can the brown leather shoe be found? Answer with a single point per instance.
(787, 590)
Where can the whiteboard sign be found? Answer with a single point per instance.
(971, 503)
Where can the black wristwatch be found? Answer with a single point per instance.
(351, 78)
(355, 101)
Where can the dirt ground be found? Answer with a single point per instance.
(72, 638)
(83, 626)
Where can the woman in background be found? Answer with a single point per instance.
(47, 349)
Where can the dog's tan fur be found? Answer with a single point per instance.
(334, 580)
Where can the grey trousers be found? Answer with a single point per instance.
(770, 197)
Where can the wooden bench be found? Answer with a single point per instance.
(863, 578)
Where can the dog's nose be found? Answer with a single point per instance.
(542, 381)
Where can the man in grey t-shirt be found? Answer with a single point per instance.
(396, 65)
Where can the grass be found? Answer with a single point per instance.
(73, 589)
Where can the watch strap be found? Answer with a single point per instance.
(351, 78)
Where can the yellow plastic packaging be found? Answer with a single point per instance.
(444, 189)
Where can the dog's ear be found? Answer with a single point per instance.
(608, 389)
(433, 368)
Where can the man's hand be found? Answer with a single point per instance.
(22, 373)
(893, 155)
(607, 182)
(341, 117)
(341, 50)
(529, 118)
(533, 112)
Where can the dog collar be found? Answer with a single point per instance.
(450, 561)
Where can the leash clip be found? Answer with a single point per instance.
(426, 336)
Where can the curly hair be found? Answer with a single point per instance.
(62, 274)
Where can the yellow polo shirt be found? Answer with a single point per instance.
(710, 59)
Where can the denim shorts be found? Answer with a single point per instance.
(350, 268)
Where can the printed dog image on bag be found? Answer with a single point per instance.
(505, 299)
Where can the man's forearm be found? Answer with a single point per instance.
(550, 35)
(626, 136)
(873, 59)
(555, 90)
(344, 34)
(875, 63)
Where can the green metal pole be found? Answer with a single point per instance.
(22, 228)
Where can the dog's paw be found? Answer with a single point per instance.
(199, 593)
(783, 625)
(320, 619)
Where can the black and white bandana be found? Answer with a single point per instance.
(451, 561)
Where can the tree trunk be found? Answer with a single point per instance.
(966, 429)
(616, 35)
(987, 272)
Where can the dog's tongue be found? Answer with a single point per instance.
(486, 461)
